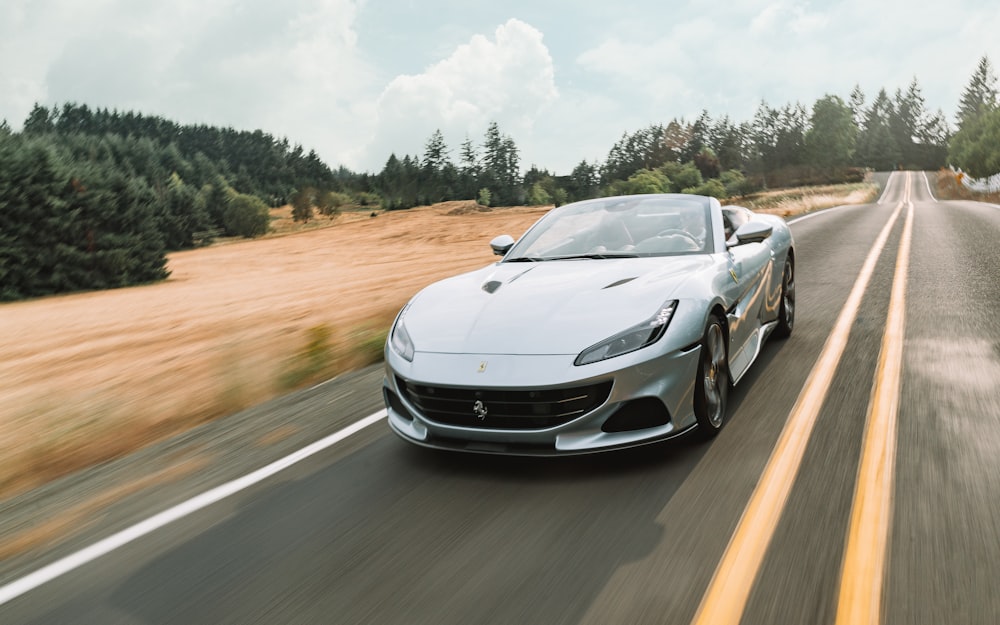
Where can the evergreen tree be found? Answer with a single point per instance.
(583, 182)
(763, 138)
(857, 104)
(435, 153)
(906, 118)
(831, 136)
(500, 167)
(976, 146)
(727, 141)
(39, 121)
(876, 145)
(469, 170)
(647, 148)
(698, 137)
(980, 95)
(438, 171)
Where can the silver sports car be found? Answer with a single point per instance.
(611, 323)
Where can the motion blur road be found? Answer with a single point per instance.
(373, 530)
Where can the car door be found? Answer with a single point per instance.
(750, 266)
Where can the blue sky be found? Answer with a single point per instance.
(359, 79)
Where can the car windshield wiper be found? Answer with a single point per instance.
(598, 255)
(526, 259)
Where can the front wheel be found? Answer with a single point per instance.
(786, 311)
(711, 388)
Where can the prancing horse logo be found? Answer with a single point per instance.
(480, 409)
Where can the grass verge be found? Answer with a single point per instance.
(801, 200)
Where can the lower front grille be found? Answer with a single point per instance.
(504, 409)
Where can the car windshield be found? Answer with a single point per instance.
(618, 227)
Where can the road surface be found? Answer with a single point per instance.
(877, 501)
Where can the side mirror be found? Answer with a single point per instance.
(753, 232)
(502, 244)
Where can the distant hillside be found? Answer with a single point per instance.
(93, 199)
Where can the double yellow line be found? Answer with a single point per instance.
(864, 562)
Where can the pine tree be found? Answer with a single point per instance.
(876, 145)
(980, 95)
(906, 118)
(436, 168)
(858, 106)
(831, 137)
(435, 152)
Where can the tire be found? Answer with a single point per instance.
(711, 387)
(786, 311)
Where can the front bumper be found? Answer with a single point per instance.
(636, 380)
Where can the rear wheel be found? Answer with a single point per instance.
(786, 312)
(711, 389)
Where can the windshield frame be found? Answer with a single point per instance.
(592, 225)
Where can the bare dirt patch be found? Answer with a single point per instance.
(92, 376)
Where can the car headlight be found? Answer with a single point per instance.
(636, 337)
(400, 339)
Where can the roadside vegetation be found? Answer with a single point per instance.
(236, 325)
(95, 199)
(949, 187)
(800, 200)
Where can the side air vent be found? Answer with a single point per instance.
(620, 282)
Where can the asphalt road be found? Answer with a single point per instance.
(372, 530)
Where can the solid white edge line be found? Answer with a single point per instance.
(927, 183)
(825, 211)
(88, 554)
(836, 208)
(888, 183)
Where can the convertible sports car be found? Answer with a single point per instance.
(611, 323)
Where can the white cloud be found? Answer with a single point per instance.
(344, 77)
(784, 17)
(508, 79)
(767, 19)
(290, 68)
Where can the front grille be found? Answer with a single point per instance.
(504, 409)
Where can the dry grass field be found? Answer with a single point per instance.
(92, 376)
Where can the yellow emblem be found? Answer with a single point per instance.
(482, 366)
(732, 272)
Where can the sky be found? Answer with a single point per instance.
(358, 80)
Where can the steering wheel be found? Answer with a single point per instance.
(673, 231)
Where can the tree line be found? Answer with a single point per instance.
(975, 147)
(96, 198)
(834, 141)
(92, 198)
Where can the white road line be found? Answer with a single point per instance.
(837, 208)
(888, 183)
(181, 510)
(928, 184)
(825, 211)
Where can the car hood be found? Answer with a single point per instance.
(550, 307)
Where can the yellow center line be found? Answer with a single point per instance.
(727, 593)
(863, 570)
